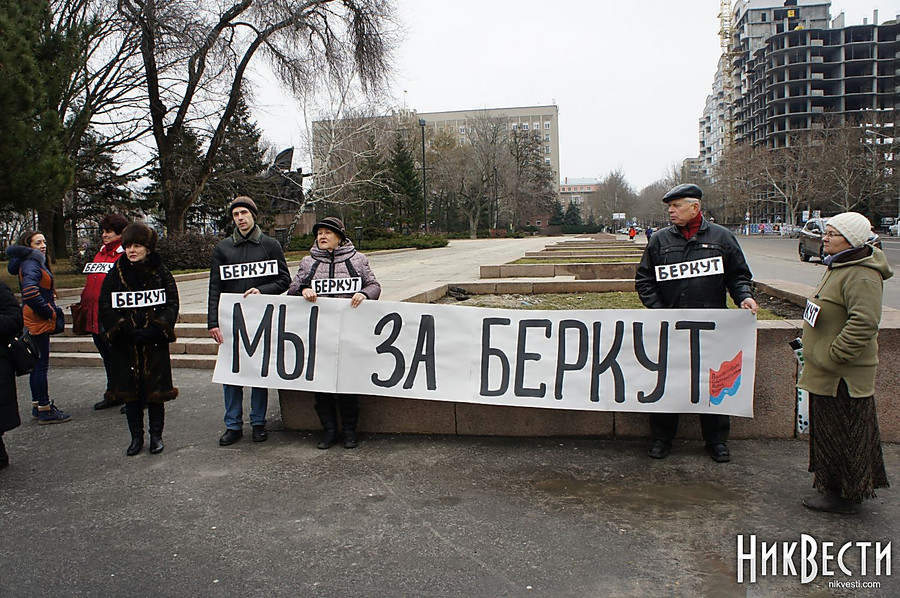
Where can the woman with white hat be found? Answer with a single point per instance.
(840, 350)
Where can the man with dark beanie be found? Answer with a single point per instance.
(691, 237)
(268, 276)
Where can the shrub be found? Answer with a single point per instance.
(188, 251)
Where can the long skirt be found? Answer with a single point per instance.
(845, 445)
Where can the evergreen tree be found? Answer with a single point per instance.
(239, 165)
(375, 191)
(557, 218)
(406, 185)
(35, 171)
(572, 216)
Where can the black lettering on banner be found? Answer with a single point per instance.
(695, 328)
(562, 366)
(609, 362)
(487, 352)
(388, 347)
(287, 337)
(311, 337)
(521, 357)
(424, 352)
(263, 333)
(661, 365)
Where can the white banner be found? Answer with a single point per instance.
(123, 299)
(670, 361)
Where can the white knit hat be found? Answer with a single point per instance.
(853, 226)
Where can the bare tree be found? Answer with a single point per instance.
(196, 59)
(614, 195)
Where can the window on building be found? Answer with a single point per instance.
(537, 222)
(546, 125)
(546, 149)
(546, 136)
(524, 126)
(462, 130)
(537, 126)
(547, 161)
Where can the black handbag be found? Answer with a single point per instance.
(23, 353)
(60, 320)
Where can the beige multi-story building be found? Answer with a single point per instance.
(540, 120)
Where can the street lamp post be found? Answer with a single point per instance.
(424, 193)
(876, 133)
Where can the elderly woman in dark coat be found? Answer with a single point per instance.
(11, 324)
(840, 350)
(334, 257)
(138, 309)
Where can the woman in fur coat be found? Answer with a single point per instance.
(138, 310)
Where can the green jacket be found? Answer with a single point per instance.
(844, 341)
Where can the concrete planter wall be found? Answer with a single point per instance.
(774, 404)
(625, 270)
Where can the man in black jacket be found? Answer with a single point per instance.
(251, 263)
(692, 238)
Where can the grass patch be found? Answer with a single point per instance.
(570, 301)
(575, 260)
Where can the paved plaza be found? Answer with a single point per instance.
(401, 515)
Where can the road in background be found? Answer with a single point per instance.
(777, 258)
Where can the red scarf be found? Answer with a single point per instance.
(692, 227)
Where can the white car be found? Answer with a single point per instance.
(894, 229)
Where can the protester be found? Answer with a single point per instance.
(691, 237)
(247, 245)
(138, 310)
(28, 260)
(111, 227)
(11, 324)
(840, 350)
(333, 256)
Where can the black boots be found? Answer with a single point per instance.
(348, 405)
(135, 414)
(156, 412)
(328, 438)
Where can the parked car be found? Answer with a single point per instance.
(811, 244)
(894, 229)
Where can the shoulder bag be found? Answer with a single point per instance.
(23, 353)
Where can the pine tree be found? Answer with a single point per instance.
(572, 216)
(557, 218)
(239, 165)
(406, 185)
(35, 170)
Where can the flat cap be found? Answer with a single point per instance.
(683, 190)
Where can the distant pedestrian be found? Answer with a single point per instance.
(138, 310)
(649, 233)
(246, 245)
(632, 233)
(28, 260)
(840, 350)
(691, 237)
(333, 256)
(111, 227)
(11, 324)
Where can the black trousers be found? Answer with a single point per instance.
(715, 428)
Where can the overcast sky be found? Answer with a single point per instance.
(630, 78)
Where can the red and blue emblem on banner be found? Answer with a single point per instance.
(726, 380)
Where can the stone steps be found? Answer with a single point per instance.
(193, 349)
